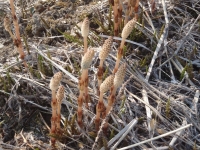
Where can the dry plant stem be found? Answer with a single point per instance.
(115, 9)
(100, 73)
(120, 15)
(131, 12)
(54, 117)
(80, 104)
(12, 36)
(58, 117)
(119, 56)
(157, 137)
(127, 14)
(17, 41)
(97, 119)
(85, 44)
(86, 80)
(81, 97)
(99, 108)
(111, 100)
(54, 83)
(59, 97)
(105, 86)
(136, 9)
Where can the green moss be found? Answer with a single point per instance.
(161, 31)
(105, 30)
(122, 108)
(183, 72)
(195, 146)
(71, 38)
(105, 74)
(189, 70)
(44, 66)
(105, 143)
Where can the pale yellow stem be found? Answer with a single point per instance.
(115, 19)
(86, 88)
(97, 119)
(85, 44)
(111, 101)
(101, 73)
(120, 15)
(58, 117)
(101, 97)
(122, 43)
(54, 116)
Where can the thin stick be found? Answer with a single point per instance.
(125, 134)
(136, 9)
(157, 137)
(116, 2)
(17, 41)
(120, 14)
(100, 73)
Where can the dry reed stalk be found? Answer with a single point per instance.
(120, 15)
(54, 83)
(125, 33)
(17, 41)
(85, 64)
(111, 2)
(85, 32)
(107, 46)
(59, 97)
(132, 5)
(105, 86)
(115, 9)
(86, 90)
(136, 9)
(118, 80)
(127, 11)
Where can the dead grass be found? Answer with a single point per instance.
(156, 108)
